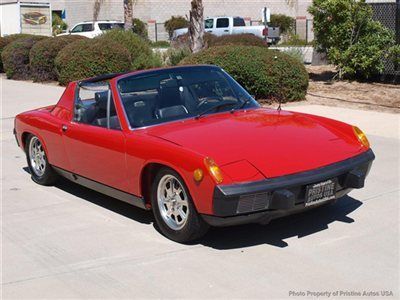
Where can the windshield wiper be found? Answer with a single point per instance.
(214, 107)
(244, 103)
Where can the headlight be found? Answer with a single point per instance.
(213, 169)
(361, 136)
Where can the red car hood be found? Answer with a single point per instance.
(276, 143)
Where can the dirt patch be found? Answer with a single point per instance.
(365, 95)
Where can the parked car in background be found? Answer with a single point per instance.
(234, 25)
(91, 29)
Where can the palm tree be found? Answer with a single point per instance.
(128, 14)
(196, 26)
(96, 9)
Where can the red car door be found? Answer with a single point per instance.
(94, 141)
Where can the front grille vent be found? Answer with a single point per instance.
(255, 202)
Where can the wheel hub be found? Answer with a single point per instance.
(37, 156)
(172, 202)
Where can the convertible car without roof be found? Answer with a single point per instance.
(192, 145)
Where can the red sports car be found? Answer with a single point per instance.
(192, 145)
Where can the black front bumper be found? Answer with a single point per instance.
(261, 201)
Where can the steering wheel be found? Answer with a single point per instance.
(207, 100)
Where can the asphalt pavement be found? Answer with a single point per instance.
(67, 241)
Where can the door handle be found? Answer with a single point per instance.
(64, 128)
(226, 30)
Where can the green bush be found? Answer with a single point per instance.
(295, 52)
(4, 41)
(176, 22)
(15, 57)
(173, 56)
(294, 40)
(353, 41)
(285, 23)
(58, 25)
(394, 54)
(43, 54)
(246, 39)
(91, 57)
(140, 28)
(267, 74)
(160, 44)
(141, 53)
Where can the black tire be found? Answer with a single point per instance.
(49, 176)
(194, 227)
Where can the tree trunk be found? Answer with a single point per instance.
(128, 14)
(96, 9)
(196, 26)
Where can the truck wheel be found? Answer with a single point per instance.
(40, 169)
(173, 208)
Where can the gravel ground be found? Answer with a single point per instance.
(365, 95)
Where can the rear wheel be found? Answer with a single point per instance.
(173, 208)
(41, 172)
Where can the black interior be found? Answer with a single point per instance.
(94, 112)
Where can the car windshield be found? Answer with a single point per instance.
(178, 93)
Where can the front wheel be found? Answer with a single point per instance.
(173, 208)
(39, 167)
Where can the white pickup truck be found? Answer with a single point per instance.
(234, 25)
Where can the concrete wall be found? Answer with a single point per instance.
(158, 11)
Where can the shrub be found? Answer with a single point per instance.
(264, 73)
(91, 57)
(294, 40)
(175, 55)
(246, 39)
(394, 54)
(295, 52)
(140, 28)
(160, 44)
(141, 53)
(43, 54)
(285, 23)
(4, 41)
(58, 25)
(176, 22)
(353, 41)
(15, 57)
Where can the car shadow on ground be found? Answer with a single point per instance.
(274, 234)
(235, 237)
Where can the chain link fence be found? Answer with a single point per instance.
(389, 15)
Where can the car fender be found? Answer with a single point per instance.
(143, 150)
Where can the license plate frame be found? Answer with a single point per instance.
(320, 192)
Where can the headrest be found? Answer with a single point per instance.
(101, 99)
(168, 83)
(172, 111)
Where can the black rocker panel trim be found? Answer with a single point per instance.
(102, 188)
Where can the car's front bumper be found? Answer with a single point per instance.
(261, 201)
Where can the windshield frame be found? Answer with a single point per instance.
(154, 72)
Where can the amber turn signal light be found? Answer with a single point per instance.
(213, 169)
(361, 136)
(198, 175)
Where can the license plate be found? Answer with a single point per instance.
(320, 192)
